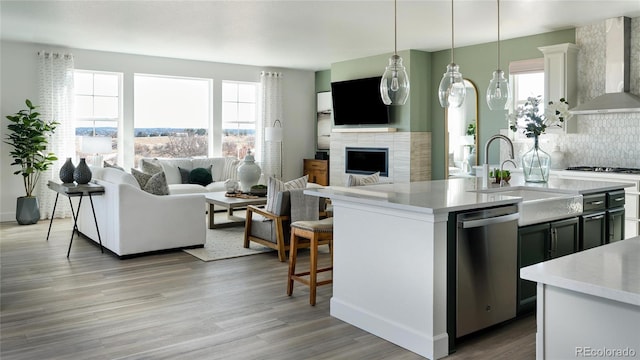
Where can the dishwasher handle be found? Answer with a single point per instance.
(488, 221)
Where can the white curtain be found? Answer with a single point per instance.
(55, 102)
(271, 111)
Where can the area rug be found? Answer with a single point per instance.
(226, 243)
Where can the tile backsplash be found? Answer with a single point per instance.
(602, 139)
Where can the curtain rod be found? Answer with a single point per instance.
(268, 73)
(56, 55)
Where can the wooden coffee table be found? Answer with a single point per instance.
(219, 198)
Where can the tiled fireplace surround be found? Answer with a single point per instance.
(409, 154)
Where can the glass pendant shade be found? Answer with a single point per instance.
(498, 93)
(394, 86)
(452, 91)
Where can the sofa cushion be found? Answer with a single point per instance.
(157, 184)
(187, 189)
(230, 171)
(274, 186)
(215, 166)
(170, 168)
(200, 176)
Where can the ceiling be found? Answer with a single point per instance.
(301, 34)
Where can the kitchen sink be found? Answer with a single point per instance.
(540, 205)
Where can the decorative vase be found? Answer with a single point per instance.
(27, 210)
(82, 173)
(66, 171)
(536, 164)
(248, 173)
(471, 160)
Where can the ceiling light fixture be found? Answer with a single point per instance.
(498, 92)
(394, 86)
(452, 90)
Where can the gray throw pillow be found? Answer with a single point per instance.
(157, 185)
(274, 186)
(184, 175)
(140, 177)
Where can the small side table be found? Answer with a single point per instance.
(72, 190)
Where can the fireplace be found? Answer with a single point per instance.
(366, 160)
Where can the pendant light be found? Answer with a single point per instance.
(498, 92)
(394, 86)
(452, 90)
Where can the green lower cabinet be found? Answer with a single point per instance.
(532, 249)
(593, 227)
(615, 225)
(564, 237)
(540, 242)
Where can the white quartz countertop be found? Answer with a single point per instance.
(610, 271)
(455, 194)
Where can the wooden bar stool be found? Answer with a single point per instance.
(318, 232)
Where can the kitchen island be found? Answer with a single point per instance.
(390, 254)
(589, 303)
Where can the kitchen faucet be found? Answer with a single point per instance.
(502, 180)
(485, 165)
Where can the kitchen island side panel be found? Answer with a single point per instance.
(576, 325)
(389, 275)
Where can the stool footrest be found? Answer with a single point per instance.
(317, 271)
(308, 283)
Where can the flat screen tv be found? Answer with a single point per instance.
(358, 102)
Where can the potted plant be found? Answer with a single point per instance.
(499, 175)
(28, 135)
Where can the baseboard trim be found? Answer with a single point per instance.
(431, 347)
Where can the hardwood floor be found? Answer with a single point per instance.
(168, 306)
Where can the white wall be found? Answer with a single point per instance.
(18, 76)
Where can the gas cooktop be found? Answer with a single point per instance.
(605, 169)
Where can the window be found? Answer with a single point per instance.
(98, 104)
(172, 116)
(527, 79)
(239, 118)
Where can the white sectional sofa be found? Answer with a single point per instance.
(134, 222)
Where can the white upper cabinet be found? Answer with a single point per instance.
(560, 77)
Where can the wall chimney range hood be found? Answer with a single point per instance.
(617, 98)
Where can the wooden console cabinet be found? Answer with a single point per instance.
(318, 171)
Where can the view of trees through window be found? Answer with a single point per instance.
(172, 116)
(527, 85)
(239, 114)
(98, 109)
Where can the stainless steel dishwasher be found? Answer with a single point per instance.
(486, 267)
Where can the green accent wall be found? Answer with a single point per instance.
(414, 114)
(477, 64)
(323, 81)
